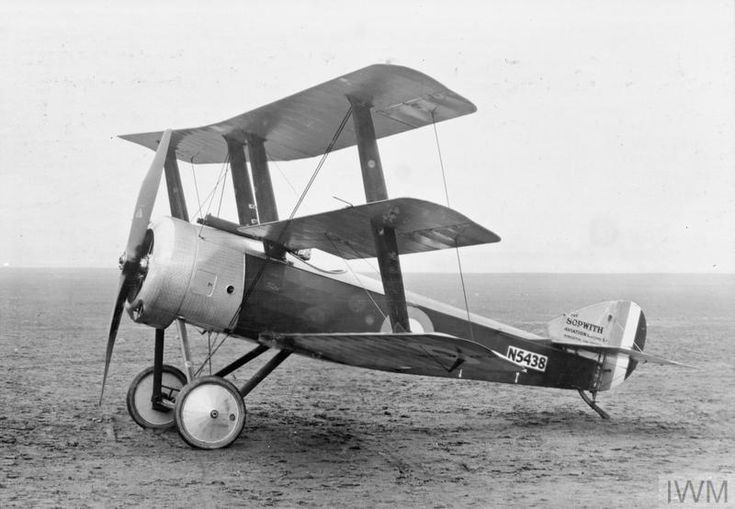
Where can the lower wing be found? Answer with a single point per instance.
(433, 354)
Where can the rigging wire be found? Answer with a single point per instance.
(209, 199)
(211, 354)
(283, 175)
(196, 186)
(209, 350)
(251, 288)
(372, 267)
(221, 179)
(200, 204)
(355, 276)
(224, 184)
(321, 163)
(456, 248)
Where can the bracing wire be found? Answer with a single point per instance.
(355, 276)
(211, 354)
(321, 162)
(224, 184)
(196, 186)
(283, 175)
(209, 200)
(210, 196)
(456, 248)
(251, 287)
(209, 350)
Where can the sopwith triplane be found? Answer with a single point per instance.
(252, 279)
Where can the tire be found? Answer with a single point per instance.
(210, 413)
(139, 395)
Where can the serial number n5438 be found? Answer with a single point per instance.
(528, 359)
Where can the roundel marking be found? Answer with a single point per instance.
(417, 320)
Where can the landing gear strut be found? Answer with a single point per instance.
(593, 404)
(208, 411)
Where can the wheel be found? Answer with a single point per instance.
(139, 402)
(210, 413)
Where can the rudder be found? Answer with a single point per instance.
(617, 324)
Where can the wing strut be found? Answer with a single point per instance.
(176, 199)
(246, 209)
(267, 210)
(384, 233)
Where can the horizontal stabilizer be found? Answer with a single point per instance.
(420, 226)
(302, 125)
(432, 354)
(633, 354)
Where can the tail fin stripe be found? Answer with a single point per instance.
(631, 325)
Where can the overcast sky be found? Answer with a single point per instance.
(604, 139)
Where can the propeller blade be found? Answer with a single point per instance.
(122, 294)
(134, 248)
(146, 200)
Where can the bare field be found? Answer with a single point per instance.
(320, 434)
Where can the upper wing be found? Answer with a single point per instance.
(417, 354)
(420, 226)
(303, 124)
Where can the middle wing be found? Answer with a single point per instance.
(420, 226)
(432, 354)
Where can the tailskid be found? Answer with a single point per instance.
(592, 402)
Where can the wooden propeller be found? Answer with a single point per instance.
(134, 250)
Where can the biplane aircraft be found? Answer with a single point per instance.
(253, 279)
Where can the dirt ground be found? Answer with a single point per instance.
(319, 434)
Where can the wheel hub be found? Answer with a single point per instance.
(210, 413)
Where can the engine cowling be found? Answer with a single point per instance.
(189, 271)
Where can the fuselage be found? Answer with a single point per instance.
(223, 282)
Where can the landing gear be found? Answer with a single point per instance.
(141, 407)
(210, 413)
(593, 403)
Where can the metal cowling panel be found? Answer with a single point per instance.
(169, 270)
(215, 289)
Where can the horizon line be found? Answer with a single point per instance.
(693, 273)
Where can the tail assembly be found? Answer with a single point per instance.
(613, 333)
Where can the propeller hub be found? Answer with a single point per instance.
(125, 263)
(137, 311)
(143, 266)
